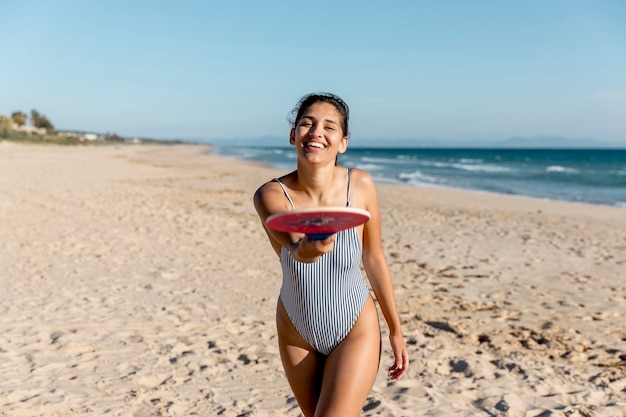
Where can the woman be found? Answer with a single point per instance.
(328, 328)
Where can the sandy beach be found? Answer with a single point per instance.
(137, 281)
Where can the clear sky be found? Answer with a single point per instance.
(435, 70)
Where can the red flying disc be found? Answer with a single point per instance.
(319, 222)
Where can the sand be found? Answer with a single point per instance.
(137, 281)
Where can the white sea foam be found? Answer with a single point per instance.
(384, 160)
(418, 178)
(368, 167)
(435, 164)
(481, 168)
(559, 168)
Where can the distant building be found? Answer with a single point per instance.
(29, 129)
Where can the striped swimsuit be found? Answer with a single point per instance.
(324, 299)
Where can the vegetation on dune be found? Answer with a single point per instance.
(39, 129)
(41, 122)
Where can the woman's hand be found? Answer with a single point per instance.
(401, 355)
(309, 250)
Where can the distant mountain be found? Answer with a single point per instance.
(269, 141)
(540, 142)
(551, 142)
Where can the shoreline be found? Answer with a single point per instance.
(392, 181)
(138, 281)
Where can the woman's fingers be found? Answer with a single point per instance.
(401, 365)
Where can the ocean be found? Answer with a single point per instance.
(581, 175)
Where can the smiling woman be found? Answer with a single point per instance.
(320, 116)
(328, 330)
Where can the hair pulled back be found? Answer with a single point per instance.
(307, 101)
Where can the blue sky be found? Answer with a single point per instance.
(412, 70)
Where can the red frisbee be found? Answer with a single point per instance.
(319, 222)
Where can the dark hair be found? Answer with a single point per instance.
(307, 101)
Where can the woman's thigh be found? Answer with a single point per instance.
(351, 368)
(303, 365)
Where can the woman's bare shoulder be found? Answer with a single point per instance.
(363, 191)
(270, 197)
(267, 191)
(361, 178)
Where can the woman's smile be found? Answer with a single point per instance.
(314, 146)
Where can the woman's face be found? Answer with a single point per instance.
(318, 134)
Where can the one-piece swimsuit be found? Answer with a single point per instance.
(323, 299)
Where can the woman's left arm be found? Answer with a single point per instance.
(379, 276)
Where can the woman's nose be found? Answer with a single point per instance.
(315, 130)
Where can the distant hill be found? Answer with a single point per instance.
(540, 142)
(553, 142)
(263, 141)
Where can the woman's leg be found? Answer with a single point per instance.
(303, 365)
(351, 368)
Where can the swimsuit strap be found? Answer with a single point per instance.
(348, 198)
(293, 206)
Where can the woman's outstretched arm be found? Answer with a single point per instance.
(270, 199)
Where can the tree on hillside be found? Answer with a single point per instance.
(38, 120)
(19, 118)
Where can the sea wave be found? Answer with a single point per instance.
(435, 164)
(559, 168)
(368, 167)
(418, 178)
(465, 166)
(381, 160)
(481, 168)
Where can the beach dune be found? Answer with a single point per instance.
(137, 281)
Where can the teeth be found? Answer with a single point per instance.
(315, 145)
